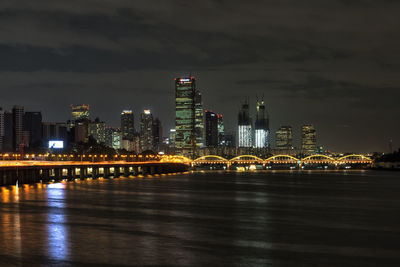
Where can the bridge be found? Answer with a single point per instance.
(53, 171)
(276, 161)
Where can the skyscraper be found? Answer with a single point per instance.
(245, 130)
(127, 124)
(199, 114)
(211, 129)
(308, 139)
(33, 125)
(18, 127)
(261, 126)
(79, 112)
(185, 138)
(284, 137)
(221, 129)
(157, 134)
(146, 130)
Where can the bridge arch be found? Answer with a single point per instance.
(242, 158)
(363, 158)
(318, 156)
(210, 157)
(281, 156)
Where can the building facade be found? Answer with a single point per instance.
(284, 138)
(33, 125)
(18, 127)
(97, 129)
(211, 129)
(199, 119)
(261, 127)
(245, 129)
(308, 139)
(146, 130)
(127, 124)
(185, 119)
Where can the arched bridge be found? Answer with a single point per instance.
(273, 160)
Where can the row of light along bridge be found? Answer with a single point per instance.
(277, 161)
(33, 171)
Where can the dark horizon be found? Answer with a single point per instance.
(333, 64)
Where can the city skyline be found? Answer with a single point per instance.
(330, 65)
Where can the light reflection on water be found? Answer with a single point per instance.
(205, 218)
(56, 222)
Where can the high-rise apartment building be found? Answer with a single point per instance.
(113, 137)
(308, 139)
(284, 137)
(1, 128)
(211, 129)
(185, 119)
(245, 129)
(127, 124)
(146, 130)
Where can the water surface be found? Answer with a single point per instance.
(269, 218)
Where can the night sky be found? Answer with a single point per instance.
(332, 63)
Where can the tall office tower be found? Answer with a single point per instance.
(199, 121)
(185, 139)
(1, 128)
(211, 129)
(97, 129)
(221, 129)
(157, 134)
(79, 112)
(18, 127)
(284, 137)
(113, 137)
(245, 131)
(33, 125)
(127, 125)
(172, 134)
(308, 139)
(146, 130)
(261, 126)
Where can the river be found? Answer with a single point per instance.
(262, 218)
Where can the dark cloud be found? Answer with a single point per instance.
(330, 63)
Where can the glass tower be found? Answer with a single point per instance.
(127, 125)
(185, 119)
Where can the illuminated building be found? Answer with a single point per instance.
(79, 112)
(97, 129)
(284, 137)
(18, 124)
(127, 125)
(221, 129)
(211, 129)
(81, 131)
(308, 139)
(54, 131)
(261, 127)
(245, 130)
(146, 130)
(185, 138)
(199, 121)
